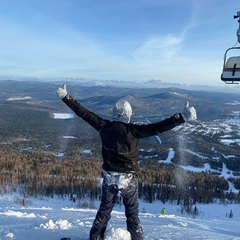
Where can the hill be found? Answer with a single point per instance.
(28, 125)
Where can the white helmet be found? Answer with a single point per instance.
(122, 111)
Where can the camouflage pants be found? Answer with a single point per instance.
(127, 185)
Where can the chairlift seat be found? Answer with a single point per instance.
(231, 70)
(232, 61)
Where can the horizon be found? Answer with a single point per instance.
(226, 88)
(173, 41)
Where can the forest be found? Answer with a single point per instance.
(79, 178)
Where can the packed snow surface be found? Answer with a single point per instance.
(53, 219)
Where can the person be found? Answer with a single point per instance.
(120, 155)
(163, 211)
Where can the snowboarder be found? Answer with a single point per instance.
(120, 158)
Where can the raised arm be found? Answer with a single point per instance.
(93, 119)
(188, 114)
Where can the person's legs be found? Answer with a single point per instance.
(109, 194)
(130, 200)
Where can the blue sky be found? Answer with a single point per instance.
(177, 41)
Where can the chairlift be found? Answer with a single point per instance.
(231, 65)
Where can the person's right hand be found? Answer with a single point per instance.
(62, 92)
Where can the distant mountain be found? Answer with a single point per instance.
(213, 139)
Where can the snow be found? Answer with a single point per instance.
(229, 142)
(60, 154)
(19, 98)
(55, 218)
(87, 151)
(206, 168)
(69, 137)
(195, 154)
(170, 156)
(63, 115)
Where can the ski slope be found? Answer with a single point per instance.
(53, 219)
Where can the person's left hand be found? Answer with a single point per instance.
(189, 113)
(62, 92)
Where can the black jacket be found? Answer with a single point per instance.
(120, 140)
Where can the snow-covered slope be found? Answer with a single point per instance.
(53, 219)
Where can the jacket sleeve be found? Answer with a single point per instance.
(147, 130)
(93, 119)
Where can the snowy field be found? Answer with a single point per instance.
(53, 219)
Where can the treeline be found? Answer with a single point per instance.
(78, 177)
(42, 174)
(168, 182)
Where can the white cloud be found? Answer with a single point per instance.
(162, 49)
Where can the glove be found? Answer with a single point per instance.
(62, 92)
(189, 113)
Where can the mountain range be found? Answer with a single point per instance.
(213, 139)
